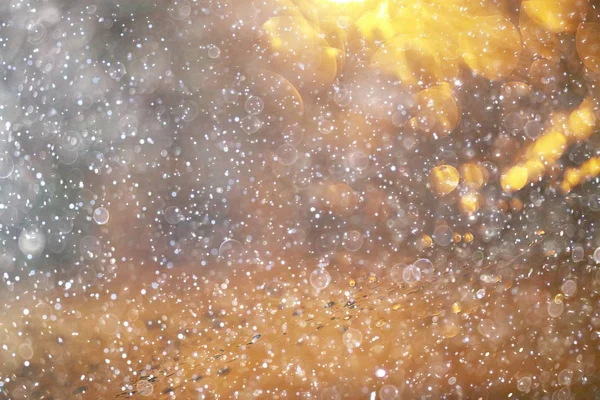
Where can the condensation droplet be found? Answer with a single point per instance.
(555, 309)
(442, 235)
(533, 129)
(32, 241)
(7, 166)
(425, 267)
(320, 278)
(230, 248)
(389, 392)
(352, 338)
(565, 377)
(254, 105)
(173, 215)
(396, 273)
(352, 240)
(569, 288)
(486, 328)
(524, 384)
(101, 215)
(326, 126)
(411, 274)
(562, 394)
(293, 134)
(91, 247)
(287, 154)
(25, 351)
(214, 52)
(117, 71)
(251, 124)
(330, 393)
(577, 254)
(144, 388)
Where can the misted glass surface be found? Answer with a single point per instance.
(299, 199)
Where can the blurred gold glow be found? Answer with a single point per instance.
(556, 16)
(425, 45)
(587, 42)
(470, 202)
(491, 46)
(474, 176)
(575, 176)
(444, 179)
(545, 151)
(514, 179)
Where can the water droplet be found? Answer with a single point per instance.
(320, 278)
(569, 288)
(358, 160)
(326, 126)
(117, 71)
(486, 328)
(128, 125)
(400, 118)
(25, 351)
(577, 254)
(533, 129)
(389, 392)
(109, 324)
(442, 235)
(555, 309)
(7, 166)
(91, 247)
(596, 255)
(411, 274)
(35, 32)
(565, 377)
(293, 134)
(173, 215)
(230, 95)
(287, 154)
(32, 241)
(101, 215)
(562, 394)
(396, 273)
(352, 241)
(352, 338)
(330, 393)
(251, 124)
(425, 267)
(524, 384)
(342, 22)
(254, 105)
(214, 52)
(144, 388)
(230, 249)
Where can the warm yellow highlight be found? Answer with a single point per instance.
(470, 202)
(588, 45)
(549, 147)
(576, 176)
(444, 179)
(582, 121)
(491, 46)
(474, 176)
(436, 110)
(557, 16)
(514, 179)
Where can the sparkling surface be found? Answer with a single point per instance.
(337, 199)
